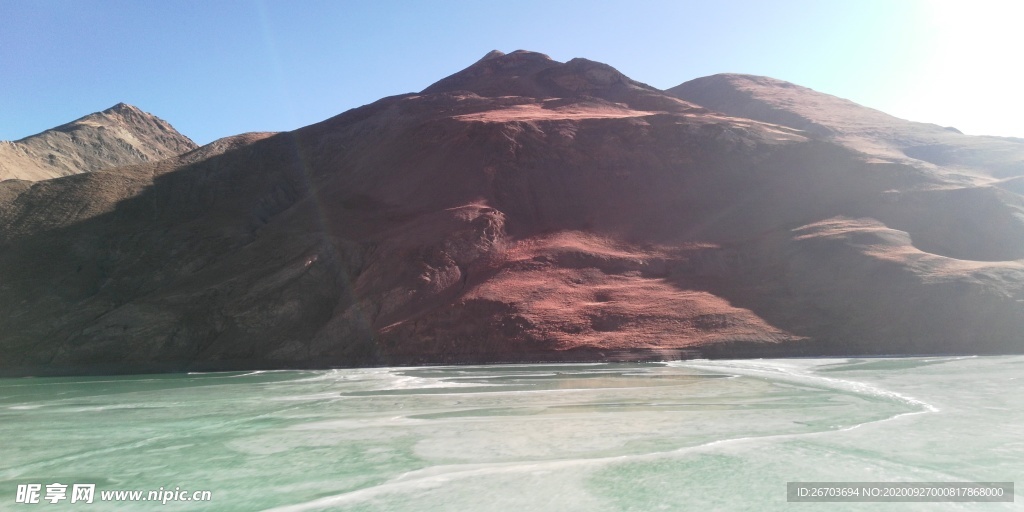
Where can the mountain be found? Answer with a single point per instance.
(973, 183)
(118, 136)
(943, 150)
(521, 209)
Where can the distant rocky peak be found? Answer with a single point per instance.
(121, 114)
(120, 135)
(128, 112)
(122, 107)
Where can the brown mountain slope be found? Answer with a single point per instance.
(501, 215)
(969, 176)
(120, 135)
(962, 159)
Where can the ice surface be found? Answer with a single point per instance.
(692, 435)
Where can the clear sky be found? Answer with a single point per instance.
(222, 67)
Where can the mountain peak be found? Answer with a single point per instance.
(123, 107)
(498, 74)
(491, 55)
(120, 135)
(516, 56)
(121, 114)
(536, 75)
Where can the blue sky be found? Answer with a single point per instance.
(222, 67)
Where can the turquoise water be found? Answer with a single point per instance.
(691, 435)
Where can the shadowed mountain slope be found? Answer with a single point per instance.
(521, 209)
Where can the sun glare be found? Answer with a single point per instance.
(973, 68)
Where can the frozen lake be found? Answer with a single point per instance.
(688, 435)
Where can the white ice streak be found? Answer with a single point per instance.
(778, 370)
(388, 379)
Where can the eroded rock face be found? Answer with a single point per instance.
(523, 209)
(121, 135)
